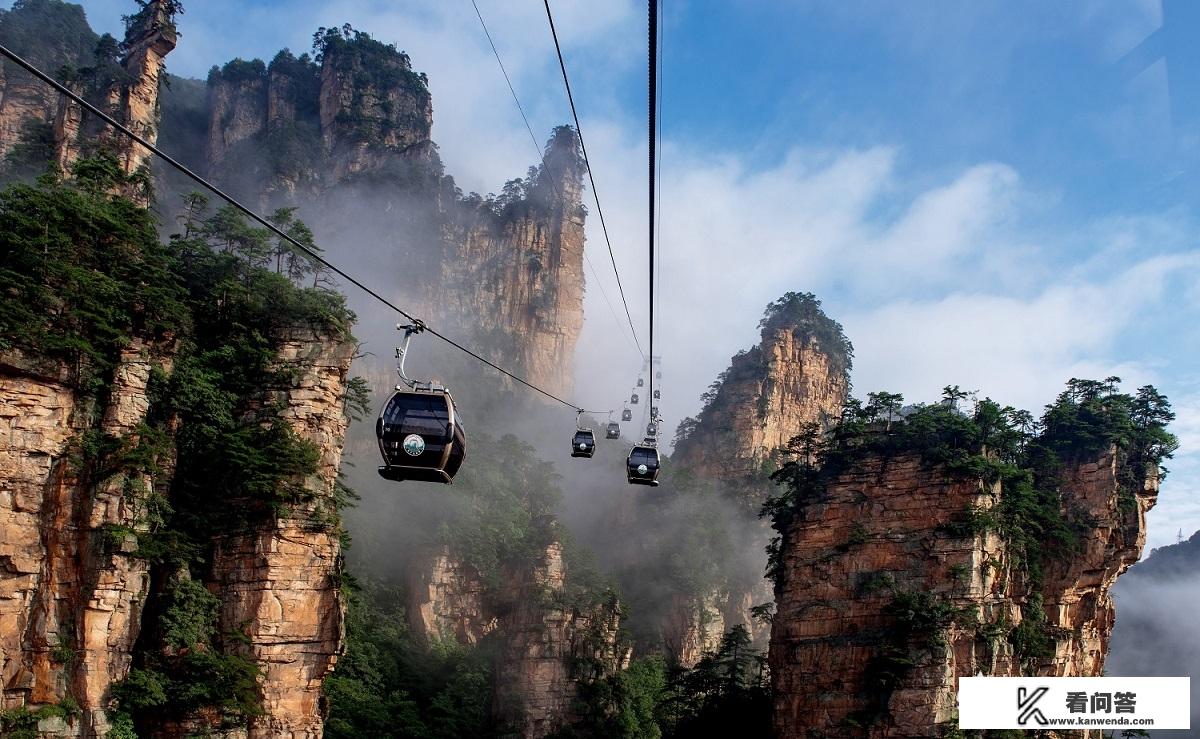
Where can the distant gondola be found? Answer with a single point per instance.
(657, 394)
(626, 415)
(642, 465)
(613, 430)
(633, 399)
(658, 375)
(654, 411)
(583, 444)
(641, 382)
(652, 429)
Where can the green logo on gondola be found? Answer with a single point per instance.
(413, 445)
(643, 469)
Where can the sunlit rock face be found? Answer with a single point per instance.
(517, 276)
(885, 527)
(280, 583)
(796, 376)
(149, 38)
(767, 397)
(65, 589)
(71, 594)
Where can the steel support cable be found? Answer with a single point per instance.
(541, 155)
(562, 65)
(652, 107)
(63, 89)
(658, 133)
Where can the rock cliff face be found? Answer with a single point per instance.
(765, 398)
(150, 36)
(546, 643)
(448, 600)
(883, 531)
(72, 601)
(517, 276)
(550, 645)
(237, 112)
(797, 375)
(23, 100)
(349, 136)
(130, 96)
(71, 587)
(693, 626)
(280, 583)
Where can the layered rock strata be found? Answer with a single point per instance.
(769, 394)
(549, 646)
(280, 583)
(71, 587)
(885, 528)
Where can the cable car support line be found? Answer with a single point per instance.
(541, 155)
(652, 22)
(562, 65)
(21, 62)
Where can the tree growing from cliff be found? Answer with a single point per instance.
(994, 444)
(802, 313)
(83, 273)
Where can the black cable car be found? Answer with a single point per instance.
(633, 399)
(421, 436)
(658, 394)
(641, 382)
(654, 411)
(652, 429)
(583, 444)
(642, 464)
(626, 415)
(613, 430)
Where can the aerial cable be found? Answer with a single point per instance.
(63, 89)
(658, 133)
(652, 107)
(542, 156)
(562, 65)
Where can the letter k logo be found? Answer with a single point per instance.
(1027, 705)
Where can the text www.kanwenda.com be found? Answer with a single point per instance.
(1104, 722)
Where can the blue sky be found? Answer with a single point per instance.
(999, 195)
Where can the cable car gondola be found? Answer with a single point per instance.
(652, 429)
(657, 394)
(583, 443)
(420, 433)
(654, 411)
(613, 430)
(641, 382)
(626, 415)
(658, 375)
(633, 399)
(643, 464)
